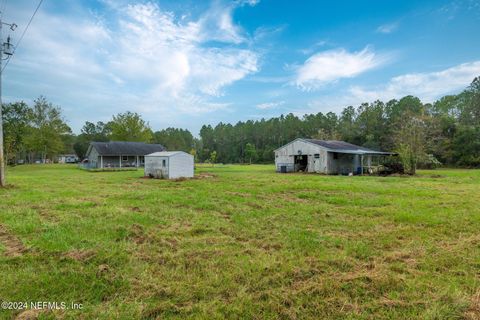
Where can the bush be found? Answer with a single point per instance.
(428, 161)
(393, 165)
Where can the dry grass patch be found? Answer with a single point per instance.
(80, 255)
(473, 311)
(13, 246)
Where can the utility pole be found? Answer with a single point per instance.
(5, 49)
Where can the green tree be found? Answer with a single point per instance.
(16, 118)
(129, 126)
(90, 132)
(466, 146)
(174, 139)
(193, 152)
(213, 158)
(250, 152)
(410, 143)
(47, 127)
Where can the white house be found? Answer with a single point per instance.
(67, 158)
(328, 157)
(119, 154)
(169, 165)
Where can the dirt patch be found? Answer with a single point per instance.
(254, 205)
(103, 268)
(290, 198)
(136, 209)
(137, 234)
(473, 312)
(45, 213)
(8, 186)
(204, 176)
(80, 255)
(387, 302)
(408, 258)
(13, 246)
(29, 315)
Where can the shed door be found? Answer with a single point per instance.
(316, 162)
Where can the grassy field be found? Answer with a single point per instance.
(241, 242)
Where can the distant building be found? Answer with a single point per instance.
(169, 165)
(328, 157)
(119, 154)
(67, 158)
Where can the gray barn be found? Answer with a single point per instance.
(119, 154)
(328, 157)
(169, 165)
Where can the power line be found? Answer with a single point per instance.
(23, 33)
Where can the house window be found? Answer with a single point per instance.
(316, 155)
(124, 158)
(164, 163)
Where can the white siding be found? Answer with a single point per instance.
(171, 166)
(181, 166)
(286, 156)
(154, 166)
(93, 158)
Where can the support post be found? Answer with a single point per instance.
(101, 162)
(120, 161)
(361, 164)
(2, 159)
(138, 159)
(2, 52)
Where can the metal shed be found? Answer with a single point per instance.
(169, 165)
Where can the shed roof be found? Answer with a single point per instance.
(165, 153)
(118, 148)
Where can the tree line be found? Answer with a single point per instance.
(424, 134)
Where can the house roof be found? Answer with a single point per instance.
(343, 147)
(165, 153)
(119, 148)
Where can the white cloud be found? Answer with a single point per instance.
(388, 28)
(329, 66)
(142, 58)
(248, 2)
(427, 86)
(270, 105)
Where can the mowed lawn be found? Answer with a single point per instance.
(241, 242)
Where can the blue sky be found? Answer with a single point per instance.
(188, 63)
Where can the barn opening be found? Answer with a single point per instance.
(301, 163)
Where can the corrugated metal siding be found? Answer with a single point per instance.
(286, 156)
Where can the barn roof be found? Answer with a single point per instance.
(337, 145)
(118, 148)
(342, 147)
